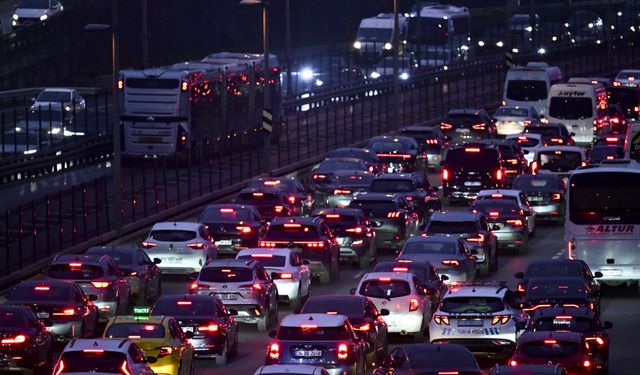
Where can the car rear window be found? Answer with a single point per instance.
(373, 207)
(472, 305)
(353, 180)
(437, 226)
(383, 288)
(225, 275)
(292, 231)
(564, 323)
(140, 330)
(537, 182)
(312, 332)
(429, 247)
(556, 289)
(170, 306)
(512, 111)
(267, 260)
(553, 270)
(392, 186)
(544, 131)
(473, 158)
(330, 166)
(258, 198)
(41, 293)
(172, 235)
(550, 348)
(73, 271)
(463, 118)
(122, 258)
(93, 361)
(502, 206)
(389, 147)
(225, 215)
(420, 272)
(559, 161)
(9, 319)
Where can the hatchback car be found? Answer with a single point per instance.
(97, 275)
(463, 125)
(507, 221)
(517, 197)
(233, 226)
(429, 359)
(545, 193)
(513, 120)
(568, 292)
(61, 99)
(88, 356)
(29, 12)
(397, 154)
(344, 185)
(182, 247)
(598, 153)
(25, 342)
(270, 202)
(242, 285)
(322, 173)
(426, 273)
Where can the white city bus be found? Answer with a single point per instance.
(602, 224)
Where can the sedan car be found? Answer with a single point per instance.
(507, 221)
(105, 356)
(516, 196)
(365, 319)
(28, 12)
(215, 331)
(233, 226)
(462, 125)
(545, 193)
(72, 314)
(322, 173)
(513, 120)
(182, 247)
(397, 154)
(143, 273)
(344, 185)
(429, 359)
(568, 292)
(431, 141)
(292, 278)
(270, 202)
(296, 193)
(59, 98)
(26, 343)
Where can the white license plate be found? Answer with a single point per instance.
(473, 183)
(171, 260)
(227, 296)
(187, 329)
(309, 353)
(43, 315)
(223, 242)
(535, 199)
(470, 323)
(611, 272)
(462, 130)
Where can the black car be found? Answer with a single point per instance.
(507, 221)
(343, 185)
(233, 226)
(512, 157)
(25, 342)
(397, 154)
(296, 193)
(429, 359)
(322, 173)
(582, 320)
(553, 134)
(270, 202)
(311, 239)
(369, 157)
(143, 273)
(71, 312)
(215, 331)
(395, 217)
(545, 193)
(616, 123)
(462, 125)
(364, 318)
(414, 187)
(628, 98)
(598, 153)
(354, 233)
(431, 142)
(555, 291)
(474, 228)
(467, 169)
(424, 271)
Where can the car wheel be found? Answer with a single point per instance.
(273, 315)
(223, 358)
(263, 322)
(364, 261)
(524, 246)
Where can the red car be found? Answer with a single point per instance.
(568, 349)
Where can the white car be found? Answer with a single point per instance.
(403, 295)
(529, 143)
(515, 195)
(560, 160)
(68, 99)
(291, 369)
(484, 316)
(101, 356)
(33, 11)
(628, 78)
(183, 247)
(513, 120)
(292, 278)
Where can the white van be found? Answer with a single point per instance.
(529, 86)
(375, 34)
(581, 107)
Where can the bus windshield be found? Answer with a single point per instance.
(604, 198)
(526, 90)
(571, 108)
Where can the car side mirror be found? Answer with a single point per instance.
(607, 324)
(572, 134)
(188, 334)
(597, 275)
(92, 297)
(157, 260)
(273, 333)
(194, 275)
(519, 275)
(444, 277)
(384, 312)
(352, 291)
(151, 359)
(232, 312)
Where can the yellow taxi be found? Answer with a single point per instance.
(158, 336)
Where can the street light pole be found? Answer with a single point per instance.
(287, 11)
(266, 89)
(396, 79)
(115, 119)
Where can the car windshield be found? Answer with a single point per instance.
(526, 90)
(392, 186)
(472, 305)
(47, 96)
(10, 319)
(629, 74)
(550, 348)
(172, 235)
(371, 207)
(225, 215)
(370, 34)
(91, 361)
(600, 153)
(556, 289)
(385, 288)
(559, 161)
(571, 108)
(349, 307)
(312, 332)
(334, 165)
(41, 293)
(564, 323)
(353, 180)
(140, 330)
(538, 182)
(544, 131)
(74, 271)
(616, 202)
(511, 112)
(438, 226)
(501, 206)
(473, 159)
(267, 260)
(171, 306)
(225, 275)
(429, 247)
(292, 232)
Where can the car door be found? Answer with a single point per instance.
(152, 274)
(528, 210)
(469, 259)
(303, 271)
(380, 328)
(122, 284)
(179, 341)
(138, 361)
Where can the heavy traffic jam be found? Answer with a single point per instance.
(446, 200)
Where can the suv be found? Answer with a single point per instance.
(270, 202)
(370, 158)
(568, 349)
(474, 229)
(318, 339)
(414, 187)
(396, 219)
(462, 125)
(483, 316)
(97, 275)
(511, 156)
(103, 356)
(233, 226)
(431, 143)
(242, 285)
(467, 169)
(296, 193)
(311, 239)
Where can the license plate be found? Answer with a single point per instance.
(171, 260)
(187, 329)
(151, 139)
(473, 183)
(462, 130)
(535, 199)
(470, 323)
(43, 315)
(498, 225)
(611, 272)
(223, 242)
(308, 353)
(227, 296)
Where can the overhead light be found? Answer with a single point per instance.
(306, 74)
(404, 76)
(388, 46)
(374, 75)
(499, 44)
(43, 17)
(542, 51)
(480, 43)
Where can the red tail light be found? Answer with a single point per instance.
(357, 230)
(534, 167)
(502, 319)
(431, 141)
(165, 351)
(451, 262)
(148, 245)
(292, 199)
(343, 351)
(513, 363)
(503, 102)
(257, 286)
(124, 368)
(211, 327)
(599, 340)
(615, 120)
(196, 246)
(184, 303)
(332, 216)
(611, 139)
(616, 83)
(472, 149)
(441, 319)
(15, 340)
(479, 238)
(279, 209)
(586, 363)
(65, 312)
(556, 196)
(318, 177)
(499, 174)
(244, 229)
(494, 214)
(363, 327)
(557, 140)
(550, 342)
(266, 244)
(315, 244)
(535, 307)
(448, 373)
(515, 222)
(59, 368)
(195, 286)
(521, 288)
(480, 126)
(42, 288)
(274, 351)
(100, 284)
(285, 276)
(445, 174)
(414, 304)
(341, 191)
(400, 269)
(445, 126)
(393, 214)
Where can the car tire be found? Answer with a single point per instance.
(524, 246)
(222, 359)
(364, 261)
(234, 348)
(273, 315)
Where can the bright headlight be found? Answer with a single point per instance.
(374, 75)
(306, 74)
(15, 17)
(388, 46)
(43, 17)
(357, 45)
(404, 76)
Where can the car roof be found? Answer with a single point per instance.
(555, 279)
(455, 215)
(544, 335)
(190, 297)
(304, 220)
(179, 225)
(413, 264)
(290, 369)
(551, 262)
(112, 345)
(261, 250)
(465, 111)
(393, 138)
(321, 320)
(58, 89)
(430, 349)
(341, 159)
(108, 249)
(546, 312)
(406, 276)
(354, 150)
(435, 238)
(261, 189)
(15, 309)
(483, 289)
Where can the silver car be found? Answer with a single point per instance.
(513, 120)
(182, 247)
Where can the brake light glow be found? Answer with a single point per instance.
(258, 194)
(75, 265)
(125, 368)
(100, 284)
(534, 167)
(499, 174)
(521, 288)
(65, 312)
(445, 174)
(515, 222)
(42, 288)
(513, 363)
(267, 244)
(244, 229)
(537, 307)
(271, 182)
(332, 216)
(550, 342)
(212, 327)
(586, 363)
(343, 351)
(165, 351)
(357, 230)
(494, 214)
(314, 244)
(393, 214)
(556, 196)
(557, 140)
(527, 122)
(227, 210)
(479, 238)
(445, 126)
(93, 351)
(257, 286)
(148, 245)
(615, 120)
(15, 340)
(480, 126)
(451, 262)
(262, 255)
(292, 199)
(185, 86)
(616, 83)
(285, 276)
(274, 351)
(319, 176)
(149, 327)
(341, 191)
(431, 141)
(472, 149)
(364, 327)
(400, 269)
(448, 373)
(384, 279)
(441, 319)
(279, 209)
(414, 304)
(403, 156)
(502, 319)
(612, 139)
